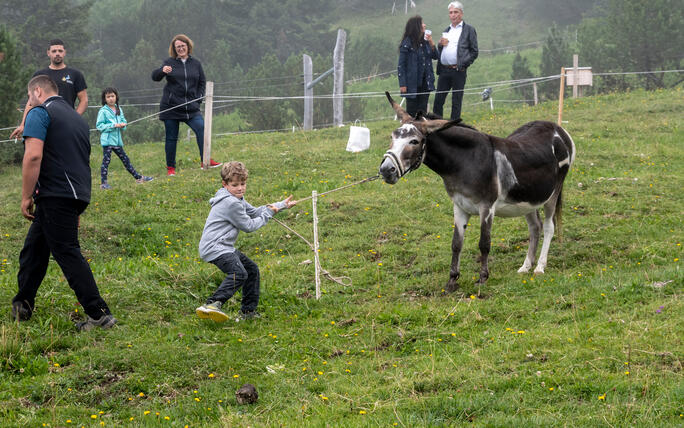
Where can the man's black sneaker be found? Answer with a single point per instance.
(106, 321)
(21, 311)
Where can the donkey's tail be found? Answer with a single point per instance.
(558, 215)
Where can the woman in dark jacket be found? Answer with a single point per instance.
(416, 78)
(185, 83)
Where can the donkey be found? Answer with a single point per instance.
(486, 175)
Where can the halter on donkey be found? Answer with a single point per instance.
(487, 176)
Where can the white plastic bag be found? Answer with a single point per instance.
(359, 138)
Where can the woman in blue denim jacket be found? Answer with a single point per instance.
(416, 77)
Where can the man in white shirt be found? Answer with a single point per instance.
(457, 50)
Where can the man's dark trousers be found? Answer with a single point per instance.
(450, 80)
(55, 231)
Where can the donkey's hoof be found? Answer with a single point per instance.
(451, 286)
(524, 269)
(538, 270)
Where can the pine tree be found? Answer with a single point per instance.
(521, 70)
(555, 54)
(13, 79)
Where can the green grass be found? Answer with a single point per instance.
(485, 15)
(595, 341)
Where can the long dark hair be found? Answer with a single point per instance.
(111, 90)
(414, 31)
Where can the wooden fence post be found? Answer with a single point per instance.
(208, 112)
(308, 93)
(536, 97)
(560, 96)
(338, 85)
(314, 202)
(575, 75)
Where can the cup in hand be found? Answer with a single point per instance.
(427, 33)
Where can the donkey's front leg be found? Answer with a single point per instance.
(460, 222)
(486, 219)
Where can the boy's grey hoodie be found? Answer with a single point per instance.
(228, 216)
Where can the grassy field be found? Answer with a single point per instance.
(596, 341)
(486, 16)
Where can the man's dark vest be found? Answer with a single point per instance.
(65, 168)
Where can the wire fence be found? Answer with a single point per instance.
(223, 101)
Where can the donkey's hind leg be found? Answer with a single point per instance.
(549, 229)
(534, 225)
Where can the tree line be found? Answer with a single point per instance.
(252, 47)
(614, 36)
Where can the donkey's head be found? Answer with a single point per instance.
(408, 143)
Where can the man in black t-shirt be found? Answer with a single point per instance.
(70, 82)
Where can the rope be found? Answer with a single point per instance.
(338, 279)
(365, 180)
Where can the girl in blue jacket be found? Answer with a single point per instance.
(110, 122)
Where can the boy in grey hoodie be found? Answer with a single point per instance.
(230, 214)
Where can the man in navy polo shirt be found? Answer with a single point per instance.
(55, 191)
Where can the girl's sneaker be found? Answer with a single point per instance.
(105, 186)
(144, 179)
(212, 311)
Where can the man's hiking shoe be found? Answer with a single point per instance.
(144, 179)
(21, 311)
(106, 321)
(249, 315)
(212, 311)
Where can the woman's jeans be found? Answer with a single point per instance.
(241, 272)
(196, 123)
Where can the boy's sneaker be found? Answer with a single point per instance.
(106, 321)
(212, 311)
(105, 186)
(21, 312)
(171, 171)
(144, 179)
(249, 315)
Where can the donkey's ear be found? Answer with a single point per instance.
(429, 126)
(401, 113)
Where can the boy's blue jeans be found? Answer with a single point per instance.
(241, 272)
(196, 123)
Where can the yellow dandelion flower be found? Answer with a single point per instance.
(236, 376)
(602, 397)
(211, 375)
(362, 412)
(93, 416)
